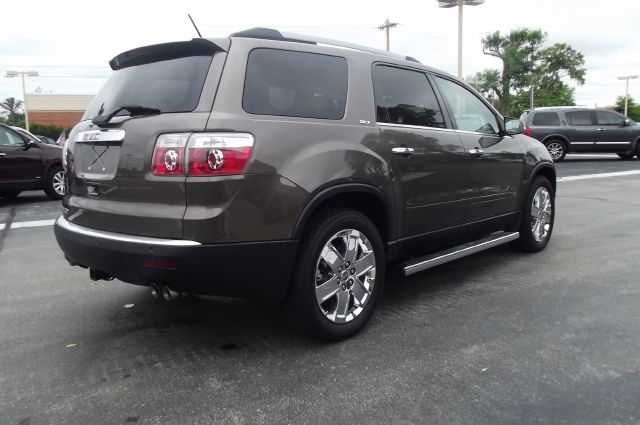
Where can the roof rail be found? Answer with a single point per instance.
(272, 34)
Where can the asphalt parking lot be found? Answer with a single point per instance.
(499, 337)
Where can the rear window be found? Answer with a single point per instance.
(579, 118)
(295, 84)
(171, 86)
(546, 118)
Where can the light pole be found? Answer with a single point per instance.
(11, 74)
(626, 92)
(459, 4)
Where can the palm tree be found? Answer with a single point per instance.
(12, 106)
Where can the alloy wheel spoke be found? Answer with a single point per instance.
(332, 257)
(352, 243)
(343, 304)
(326, 290)
(360, 292)
(365, 263)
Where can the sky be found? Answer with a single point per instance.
(70, 42)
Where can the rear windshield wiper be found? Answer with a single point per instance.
(134, 110)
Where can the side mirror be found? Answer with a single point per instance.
(513, 126)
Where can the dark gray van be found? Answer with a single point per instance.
(293, 169)
(571, 129)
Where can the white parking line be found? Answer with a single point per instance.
(598, 176)
(21, 224)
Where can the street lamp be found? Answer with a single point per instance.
(626, 93)
(459, 4)
(11, 74)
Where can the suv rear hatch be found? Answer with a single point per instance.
(155, 90)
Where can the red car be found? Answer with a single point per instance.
(26, 164)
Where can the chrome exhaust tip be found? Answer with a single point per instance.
(155, 291)
(169, 294)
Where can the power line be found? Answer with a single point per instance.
(385, 27)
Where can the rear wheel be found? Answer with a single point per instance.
(55, 183)
(626, 155)
(538, 216)
(10, 195)
(339, 275)
(557, 149)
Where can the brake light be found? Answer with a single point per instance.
(528, 131)
(202, 154)
(218, 153)
(169, 155)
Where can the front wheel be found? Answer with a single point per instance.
(538, 216)
(339, 275)
(55, 183)
(557, 150)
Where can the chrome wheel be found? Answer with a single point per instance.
(541, 214)
(556, 150)
(345, 275)
(58, 182)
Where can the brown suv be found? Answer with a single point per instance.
(29, 164)
(287, 168)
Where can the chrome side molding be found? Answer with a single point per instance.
(460, 251)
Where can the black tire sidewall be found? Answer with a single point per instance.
(303, 307)
(49, 190)
(527, 242)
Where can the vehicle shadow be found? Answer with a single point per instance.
(26, 198)
(214, 326)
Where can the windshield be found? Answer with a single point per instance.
(170, 86)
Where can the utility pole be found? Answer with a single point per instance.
(22, 74)
(626, 93)
(385, 27)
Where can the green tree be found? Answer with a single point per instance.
(633, 109)
(12, 107)
(526, 62)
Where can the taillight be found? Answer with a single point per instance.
(169, 155)
(202, 154)
(218, 153)
(528, 131)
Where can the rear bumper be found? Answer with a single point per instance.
(259, 270)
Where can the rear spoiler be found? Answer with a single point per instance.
(164, 51)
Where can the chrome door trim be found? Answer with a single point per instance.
(119, 237)
(420, 127)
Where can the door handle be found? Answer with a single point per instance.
(403, 150)
(600, 129)
(476, 151)
(3, 154)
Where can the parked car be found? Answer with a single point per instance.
(571, 129)
(239, 166)
(28, 164)
(46, 139)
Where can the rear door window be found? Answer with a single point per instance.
(579, 118)
(171, 85)
(295, 84)
(405, 97)
(546, 118)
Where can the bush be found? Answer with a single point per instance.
(48, 130)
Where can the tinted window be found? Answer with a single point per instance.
(579, 118)
(469, 111)
(405, 97)
(295, 84)
(8, 138)
(546, 118)
(609, 118)
(171, 86)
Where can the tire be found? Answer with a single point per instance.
(324, 251)
(626, 155)
(537, 223)
(557, 149)
(10, 195)
(55, 183)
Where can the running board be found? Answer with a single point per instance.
(441, 257)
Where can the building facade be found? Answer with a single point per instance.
(63, 110)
